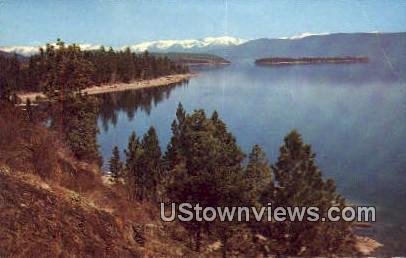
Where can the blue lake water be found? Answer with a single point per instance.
(353, 115)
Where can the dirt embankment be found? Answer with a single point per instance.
(77, 218)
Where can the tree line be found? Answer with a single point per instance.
(61, 71)
(203, 164)
(102, 66)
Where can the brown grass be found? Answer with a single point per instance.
(52, 205)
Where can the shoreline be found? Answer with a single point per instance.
(311, 60)
(106, 88)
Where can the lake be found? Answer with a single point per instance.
(353, 115)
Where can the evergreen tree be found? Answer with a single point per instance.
(206, 168)
(258, 176)
(151, 162)
(128, 62)
(59, 69)
(173, 154)
(74, 115)
(300, 183)
(79, 125)
(115, 164)
(68, 71)
(9, 77)
(134, 173)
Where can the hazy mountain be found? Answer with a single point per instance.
(379, 47)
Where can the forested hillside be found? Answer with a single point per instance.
(101, 66)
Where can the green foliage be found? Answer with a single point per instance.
(134, 174)
(59, 68)
(67, 71)
(74, 115)
(300, 183)
(203, 164)
(10, 77)
(75, 118)
(258, 175)
(151, 163)
(115, 164)
(299, 179)
(143, 165)
(206, 167)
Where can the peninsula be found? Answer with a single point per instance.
(193, 59)
(135, 85)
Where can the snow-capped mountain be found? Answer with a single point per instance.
(30, 50)
(184, 45)
(187, 44)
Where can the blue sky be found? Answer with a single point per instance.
(116, 23)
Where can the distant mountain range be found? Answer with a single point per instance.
(372, 45)
(383, 48)
(186, 45)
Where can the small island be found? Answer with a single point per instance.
(311, 60)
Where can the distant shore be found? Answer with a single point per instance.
(311, 60)
(161, 81)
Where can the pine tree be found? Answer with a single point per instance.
(79, 125)
(61, 69)
(134, 173)
(74, 115)
(258, 176)
(151, 162)
(206, 168)
(173, 153)
(300, 183)
(68, 71)
(116, 166)
(9, 77)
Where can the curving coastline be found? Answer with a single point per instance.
(161, 81)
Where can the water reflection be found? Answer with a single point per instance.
(132, 101)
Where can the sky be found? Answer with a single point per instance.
(117, 23)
